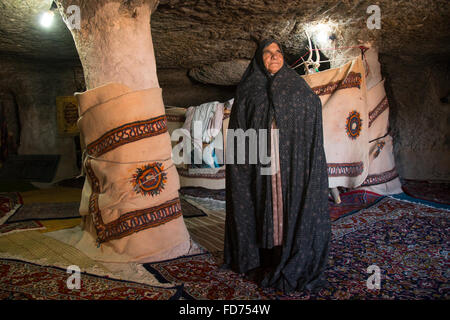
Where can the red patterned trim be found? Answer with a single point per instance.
(353, 80)
(138, 220)
(127, 133)
(352, 169)
(384, 177)
(129, 222)
(379, 109)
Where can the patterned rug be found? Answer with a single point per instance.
(352, 202)
(432, 191)
(20, 226)
(190, 210)
(70, 210)
(407, 241)
(21, 280)
(46, 211)
(200, 192)
(9, 203)
(404, 197)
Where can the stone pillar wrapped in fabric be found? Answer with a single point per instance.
(130, 204)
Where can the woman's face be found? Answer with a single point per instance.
(272, 58)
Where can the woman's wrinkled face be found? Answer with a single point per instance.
(273, 58)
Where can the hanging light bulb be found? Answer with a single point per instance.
(323, 34)
(46, 19)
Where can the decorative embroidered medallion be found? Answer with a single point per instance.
(150, 179)
(129, 222)
(354, 125)
(352, 169)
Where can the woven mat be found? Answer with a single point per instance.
(207, 231)
(35, 247)
(56, 194)
(191, 210)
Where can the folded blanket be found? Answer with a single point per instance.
(130, 201)
(204, 124)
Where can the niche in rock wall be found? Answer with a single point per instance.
(178, 89)
(10, 123)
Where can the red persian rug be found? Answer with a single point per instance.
(426, 190)
(351, 202)
(406, 241)
(21, 280)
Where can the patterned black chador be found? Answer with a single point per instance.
(298, 262)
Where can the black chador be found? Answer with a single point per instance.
(286, 99)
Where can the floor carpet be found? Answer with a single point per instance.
(432, 191)
(46, 211)
(207, 231)
(20, 226)
(352, 202)
(408, 242)
(21, 280)
(10, 202)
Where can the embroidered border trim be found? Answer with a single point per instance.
(379, 109)
(384, 177)
(352, 169)
(127, 133)
(138, 220)
(353, 80)
(129, 222)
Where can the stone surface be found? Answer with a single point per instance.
(227, 73)
(34, 87)
(114, 42)
(196, 34)
(192, 33)
(180, 90)
(419, 120)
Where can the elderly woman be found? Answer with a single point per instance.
(277, 225)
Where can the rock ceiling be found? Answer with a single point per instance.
(193, 33)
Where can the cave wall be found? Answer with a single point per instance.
(180, 90)
(419, 120)
(35, 86)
